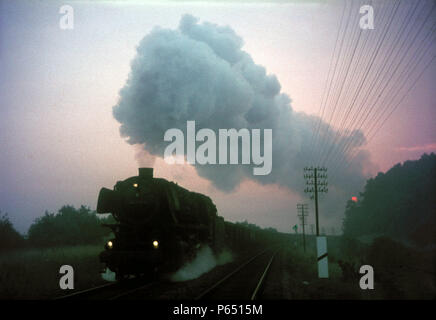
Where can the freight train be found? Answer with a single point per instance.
(160, 226)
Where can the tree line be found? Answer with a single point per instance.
(69, 226)
(399, 203)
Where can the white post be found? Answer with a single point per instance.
(323, 266)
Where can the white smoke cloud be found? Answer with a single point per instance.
(203, 262)
(200, 72)
(109, 275)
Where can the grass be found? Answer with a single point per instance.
(34, 273)
(399, 273)
(301, 281)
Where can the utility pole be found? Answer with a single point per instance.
(316, 181)
(302, 214)
(316, 202)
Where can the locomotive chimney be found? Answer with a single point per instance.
(146, 173)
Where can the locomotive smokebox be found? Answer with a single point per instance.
(108, 201)
(146, 173)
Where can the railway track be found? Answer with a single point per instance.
(245, 282)
(109, 291)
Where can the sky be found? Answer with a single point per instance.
(61, 143)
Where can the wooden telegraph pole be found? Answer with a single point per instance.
(302, 214)
(316, 201)
(316, 182)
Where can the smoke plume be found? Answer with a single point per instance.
(200, 72)
(203, 262)
(109, 275)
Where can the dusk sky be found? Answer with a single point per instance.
(60, 140)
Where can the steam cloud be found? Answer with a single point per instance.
(109, 275)
(199, 72)
(203, 262)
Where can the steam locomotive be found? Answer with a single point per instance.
(160, 225)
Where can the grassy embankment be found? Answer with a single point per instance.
(400, 272)
(34, 273)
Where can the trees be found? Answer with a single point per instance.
(9, 237)
(399, 203)
(70, 226)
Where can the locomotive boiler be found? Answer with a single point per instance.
(159, 225)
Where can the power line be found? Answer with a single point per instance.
(337, 142)
(388, 82)
(340, 81)
(403, 75)
(317, 136)
(373, 58)
(348, 162)
(315, 132)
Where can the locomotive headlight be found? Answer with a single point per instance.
(156, 244)
(109, 244)
(135, 185)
